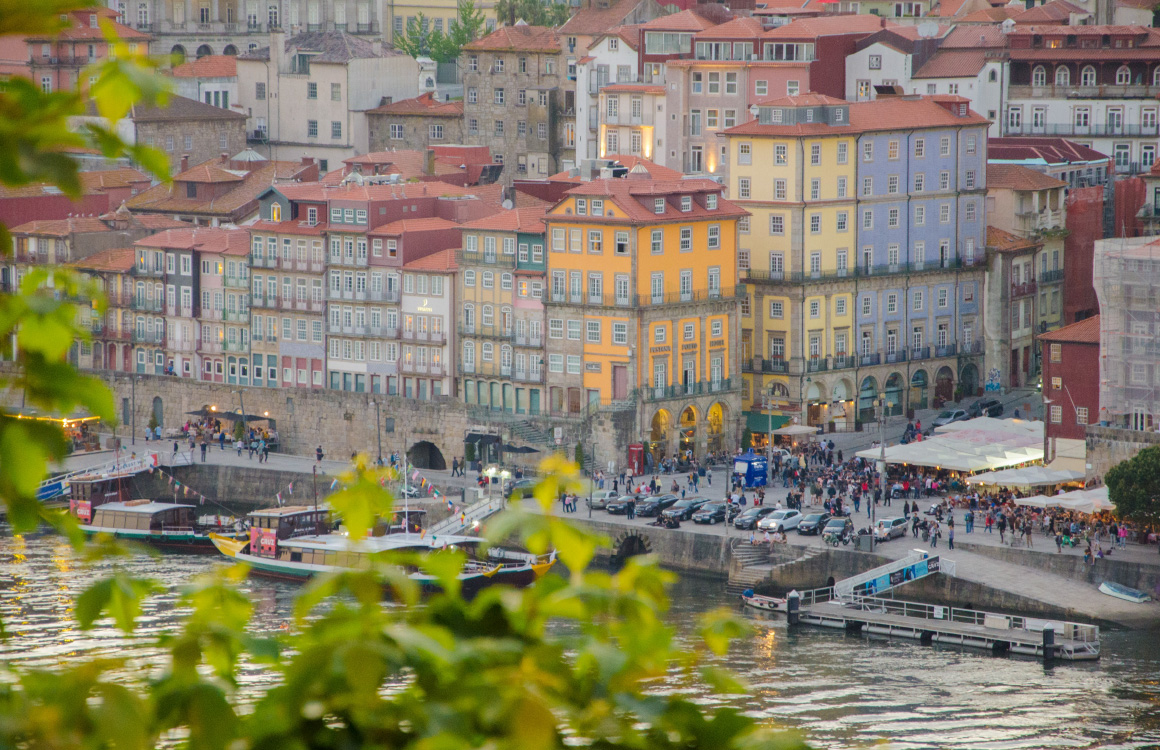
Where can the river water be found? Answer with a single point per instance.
(838, 691)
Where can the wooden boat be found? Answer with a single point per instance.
(767, 603)
(297, 543)
(1124, 592)
(167, 526)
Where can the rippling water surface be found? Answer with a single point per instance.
(839, 691)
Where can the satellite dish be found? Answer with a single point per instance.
(507, 204)
(927, 30)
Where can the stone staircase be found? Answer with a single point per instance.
(751, 564)
(530, 434)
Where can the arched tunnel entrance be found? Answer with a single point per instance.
(425, 455)
(630, 545)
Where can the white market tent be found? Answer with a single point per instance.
(795, 430)
(1028, 477)
(1084, 501)
(982, 444)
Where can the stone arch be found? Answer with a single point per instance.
(630, 544)
(159, 411)
(779, 390)
(230, 50)
(689, 424)
(919, 387)
(893, 391)
(426, 455)
(867, 394)
(178, 53)
(815, 390)
(204, 51)
(716, 418)
(969, 379)
(842, 402)
(944, 384)
(658, 439)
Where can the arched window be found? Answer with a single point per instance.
(1063, 76)
(505, 356)
(469, 317)
(488, 315)
(272, 16)
(469, 353)
(505, 319)
(488, 351)
(1088, 76)
(1123, 75)
(993, 75)
(1039, 76)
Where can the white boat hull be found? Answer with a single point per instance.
(767, 603)
(1125, 593)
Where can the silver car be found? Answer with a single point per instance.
(780, 520)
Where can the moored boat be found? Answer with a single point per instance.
(1124, 592)
(767, 603)
(167, 526)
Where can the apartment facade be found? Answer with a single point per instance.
(642, 309)
(1071, 378)
(111, 344)
(864, 255)
(428, 308)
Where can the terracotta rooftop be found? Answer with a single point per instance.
(120, 259)
(289, 226)
(630, 194)
(953, 63)
(428, 224)
(633, 88)
(1056, 10)
(171, 198)
(518, 38)
(990, 15)
(1037, 150)
(327, 47)
(593, 21)
(1086, 331)
(744, 27)
(440, 262)
(686, 20)
(529, 220)
(629, 34)
(424, 104)
(1019, 177)
(628, 161)
(808, 28)
(892, 113)
(80, 29)
(974, 37)
(110, 179)
(802, 100)
(62, 227)
(178, 108)
(1005, 242)
(203, 239)
(316, 192)
(210, 66)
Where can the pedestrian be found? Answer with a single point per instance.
(318, 453)
(934, 535)
(238, 445)
(1002, 524)
(630, 509)
(709, 477)
(1058, 542)
(204, 445)
(222, 440)
(454, 467)
(951, 536)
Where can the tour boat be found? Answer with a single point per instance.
(168, 526)
(768, 603)
(1124, 592)
(295, 543)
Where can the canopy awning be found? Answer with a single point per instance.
(481, 438)
(233, 416)
(796, 430)
(1028, 477)
(982, 444)
(764, 423)
(1082, 501)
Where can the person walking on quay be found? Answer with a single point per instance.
(934, 535)
(630, 509)
(709, 477)
(318, 454)
(914, 525)
(265, 457)
(204, 446)
(1027, 532)
(1002, 524)
(222, 440)
(455, 467)
(970, 520)
(1058, 542)
(951, 534)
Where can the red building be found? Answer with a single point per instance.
(1071, 378)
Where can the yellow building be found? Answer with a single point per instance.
(642, 309)
(439, 14)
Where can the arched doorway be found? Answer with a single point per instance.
(178, 53)
(715, 427)
(842, 402)
(866, 397)
(944, 384)
(687, 445)
(630, 545)
(230, 50)
(204, 51)
(159, 411)
(425, 455)
(894, 394)
(658, 439)
(98, 357)
(969, 380)
(816, 405)
(918, 390)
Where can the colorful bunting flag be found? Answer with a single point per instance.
(279, 497)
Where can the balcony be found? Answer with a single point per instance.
(420, 368)
(383, 295)
(149, 272)
(919, 352)
(118, 299)
(305, 305)
(237, 347)
(975, 347)
(431, 336)
(1042, 221)
(262, 261)
(869, 360)
(775, 365)
(181, 345)
(346, 330)
(528, 376)
(236, 316)
(841, 362)
(534, 342)
(658, 393)
(862, 271)
(1107, 91)
(142, 304)
(816, 364)
(646, 300)
(490, 332)
(211, 314)
(236, 282)
(1050, 277)
(946, 350)
(466, 368)
(896, 356)
(1026, 289)
(114, 334)
(213, 346)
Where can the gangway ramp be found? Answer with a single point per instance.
(61, 484)
(893, 574)
(467, 517)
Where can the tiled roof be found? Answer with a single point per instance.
(81, 30)
(289, 226)
(892, 113)
(204, 239)
(1040, 150)
(179, 108)
(210, 66)
(316, 191)
(744, 27)
(515, 220)
(990, 15)
(442, 261)
(629, 34)
(109, 179)
(170, 197)
(158, 222)
(591, 21)
(427, 224)
(1019, 177)
(62, 227)
(327, 46)
(209, 173)
(633, 88)
(521, 37)
(955, 63)
(628, 161)
(974, 37)
(1086, 331)
(121, 259)
(802, 100)
(1056, 10)
(808, 28)
(686, 20)
(424, 104)
(1005, 242)
(627, 194)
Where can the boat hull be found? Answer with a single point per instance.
(1124, 592)
(168, 542)
(766, 603)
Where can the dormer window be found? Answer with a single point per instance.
(659, 206)
(312, 216)
(839, 114)
(686, 203)
(581, 206)
(93, 21)
(336, 216)
(597, 207)
(711, 201)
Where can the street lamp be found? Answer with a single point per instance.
(504, 476)
(882, 407)
(133, 415)
(379, 432)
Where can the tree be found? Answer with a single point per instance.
(746, 439)
(1134, 486)
(532, 12)
(416, 40)
(579, 454)
(419, 40)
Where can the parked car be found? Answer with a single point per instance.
(813, 524)
(780, 520)
(838, 526)
(986, 408)
(749, 517)
(652, 506)
(619, 506)
(520, 488)
(951, 415)
(886, 529)
(601, 498)
(683, 510)
(710, 513)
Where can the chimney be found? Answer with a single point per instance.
(429, 163)
(307, 161)
(184, 162)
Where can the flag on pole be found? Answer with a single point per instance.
(415, 475)
(279, 496)
(334, 484)
(291, 488)
(449, 505)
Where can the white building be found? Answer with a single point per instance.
(612, 59)
(308, 95)
(212, 79)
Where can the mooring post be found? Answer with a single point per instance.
(1048, 644)
(793, 603)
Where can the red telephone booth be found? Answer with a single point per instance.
(636, 458)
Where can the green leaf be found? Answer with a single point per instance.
(445, 566)
(119, 595)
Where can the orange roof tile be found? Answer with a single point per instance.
(518, 38)
(744, 27)
(62, 227)
(81, 29)
(120, 259)
(171, 198)
(402, 226)
(316, 191)
(633, 88)
(290, 226)
(514, 220)
(1019, 177)
(424, 104)
(629, 195)
(591, 21)
(210, 66)
(891, 113)
(686, 20)
(806, 28)
(108, 179)
(442, 261)
(628, 161)
(1005, 242)
(953, 63)
(1086, 331)
(203, 239)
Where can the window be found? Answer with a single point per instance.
(892, 150)
(815, 189)
(1056, 414)
(311, 90)
(875, 62)
(259, 91)
(944, 213)
(892, 184)
(1056, 352)
(659, 205)
(593, 332)
(815, 154)
(866, 306)
(918, 300)
(743, 188)
(1062, 76)
(841, 187)
(944, 146)
(335, 129)
(1081, 415)
(776, 224)
(1123, 75)
(919, 182)
(780, 153)
(892, 303)
(942, 298)
(815, 308)
(714, 240)
(843, 152)
(435, 132)
(892, 218)
(761, 88)
(686, 239)
(919, 216)
(867, 186)
(840, 306)
(867, 219)
(919, 148)
(336, 92)
(312, 128)
(868, 151)
(779, 190)
(659, 334)
(815, 223)
(969, 211)
(842, 223)
(776, 309)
